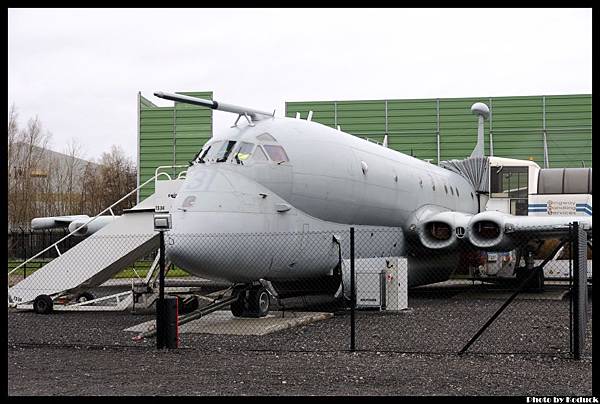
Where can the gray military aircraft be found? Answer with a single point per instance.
(291, 177)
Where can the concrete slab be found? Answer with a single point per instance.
(224, 323)
(491, 294)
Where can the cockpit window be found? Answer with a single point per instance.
(276, 153)
(216, 152)
(265, 137)
(210, 152)
(243, 152)
(259, 154)
(224, 151)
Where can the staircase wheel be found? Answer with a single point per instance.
(43, 304)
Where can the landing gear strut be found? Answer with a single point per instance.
(253, 302)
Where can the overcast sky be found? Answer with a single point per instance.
(80, 70)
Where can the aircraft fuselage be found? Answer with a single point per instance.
(324, 181)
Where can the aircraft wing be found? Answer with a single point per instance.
(492, 230)
(499, 231)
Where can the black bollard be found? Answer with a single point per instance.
(171, 322)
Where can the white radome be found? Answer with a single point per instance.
(479, 108)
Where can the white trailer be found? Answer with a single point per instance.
(521, 187)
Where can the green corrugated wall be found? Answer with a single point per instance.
(173, 135)
(170, 136)
(517, 126)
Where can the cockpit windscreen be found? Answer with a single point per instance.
(217, 152)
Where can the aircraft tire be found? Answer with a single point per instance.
(43, 304)
(237, 307)
(259, 302)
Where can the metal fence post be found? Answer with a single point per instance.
(352, 294)
(160, 305)
(578, 296)
(24, 252)
(437, 129)
(491, 127)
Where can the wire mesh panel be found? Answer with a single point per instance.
(579, 299)
(82, 296)
(293, 292)
(455, 294)
(296, 309)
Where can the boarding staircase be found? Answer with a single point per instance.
(103, 254)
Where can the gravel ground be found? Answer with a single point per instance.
(133, 371)
(407, 353)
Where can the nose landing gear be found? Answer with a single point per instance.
(253, 302)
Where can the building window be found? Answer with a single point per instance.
(511, 183)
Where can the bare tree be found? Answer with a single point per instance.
(118, 177)
(43, 183)
(91, 201)
(73, 169)
(27, 165)
(13, 132)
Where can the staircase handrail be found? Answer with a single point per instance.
(95, 217)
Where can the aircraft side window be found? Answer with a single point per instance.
(457, 194)
(446, 188)
(276, 153)
(451, 190)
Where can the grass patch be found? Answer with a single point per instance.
(141, 267)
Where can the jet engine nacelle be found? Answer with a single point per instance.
(497, 231)
(487, 231)
(91, 227)
(443, 230)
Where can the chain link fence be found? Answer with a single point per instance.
(408, 298)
